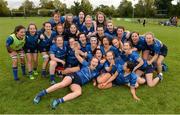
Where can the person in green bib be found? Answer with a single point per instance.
(14, 45)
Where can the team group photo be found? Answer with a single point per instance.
(89, 58)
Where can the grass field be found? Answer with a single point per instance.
(164, 98)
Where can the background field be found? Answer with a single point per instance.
(164, 98)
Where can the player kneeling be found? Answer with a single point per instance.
(58, 53)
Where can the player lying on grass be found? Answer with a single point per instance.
(88, 72)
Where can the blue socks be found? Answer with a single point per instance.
(42, 93)
(30, 72)
(15, 73)
(43, 72)
(52, 77)
(23, 69)
(60, 100)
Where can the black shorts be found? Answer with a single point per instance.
(148, 69)
(30, 50)
(75, 79)
(43, 49)
(163, 50)
(68, 65)
(60, 66)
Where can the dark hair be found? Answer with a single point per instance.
(67, 24)
(59, 24)
(130, 65)
(100, 26)
(130, 37)
(130, 44)
(31, 24)
(55, 12)
(120, 27)
(81, 34)
(55, 39)
(95, 50)
(46, 23)
(110, 52)
(18, 28)
(110, 42)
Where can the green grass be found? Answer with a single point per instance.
(164, 98)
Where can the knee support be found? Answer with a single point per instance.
(45, 57)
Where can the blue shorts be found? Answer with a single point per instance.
(30, 50)
(163, 51)
(148, 69)
(75, 79)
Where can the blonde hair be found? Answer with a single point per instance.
(149, 33)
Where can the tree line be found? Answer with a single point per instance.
(144, 8)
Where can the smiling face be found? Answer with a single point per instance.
(82, 38)
(110, 26)
(60, 29)
(105, 42)
(71, 42)
(116, 43)
(101, 18)
(135, 37)
(88, 21)
(47, 27)
(56, 17)
(100, 31)
(126, 46)
(21, 33)
(73, 29)
(98, 54)
(149, 39)
(32, 29)
(69, 19)
(94, 63)
(120, 32)
(81, 15)
(109, 56)
(93, 42)
(59, 41)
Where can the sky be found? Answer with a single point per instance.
(16, 3)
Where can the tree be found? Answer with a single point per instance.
(47, 4)
(86, 6)
(76, 8)
(108, 11)
(4, 10)
(150, 9)
(29, 5)
(60, 6)
(139, 9)
(125, 9)
(163, 5)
